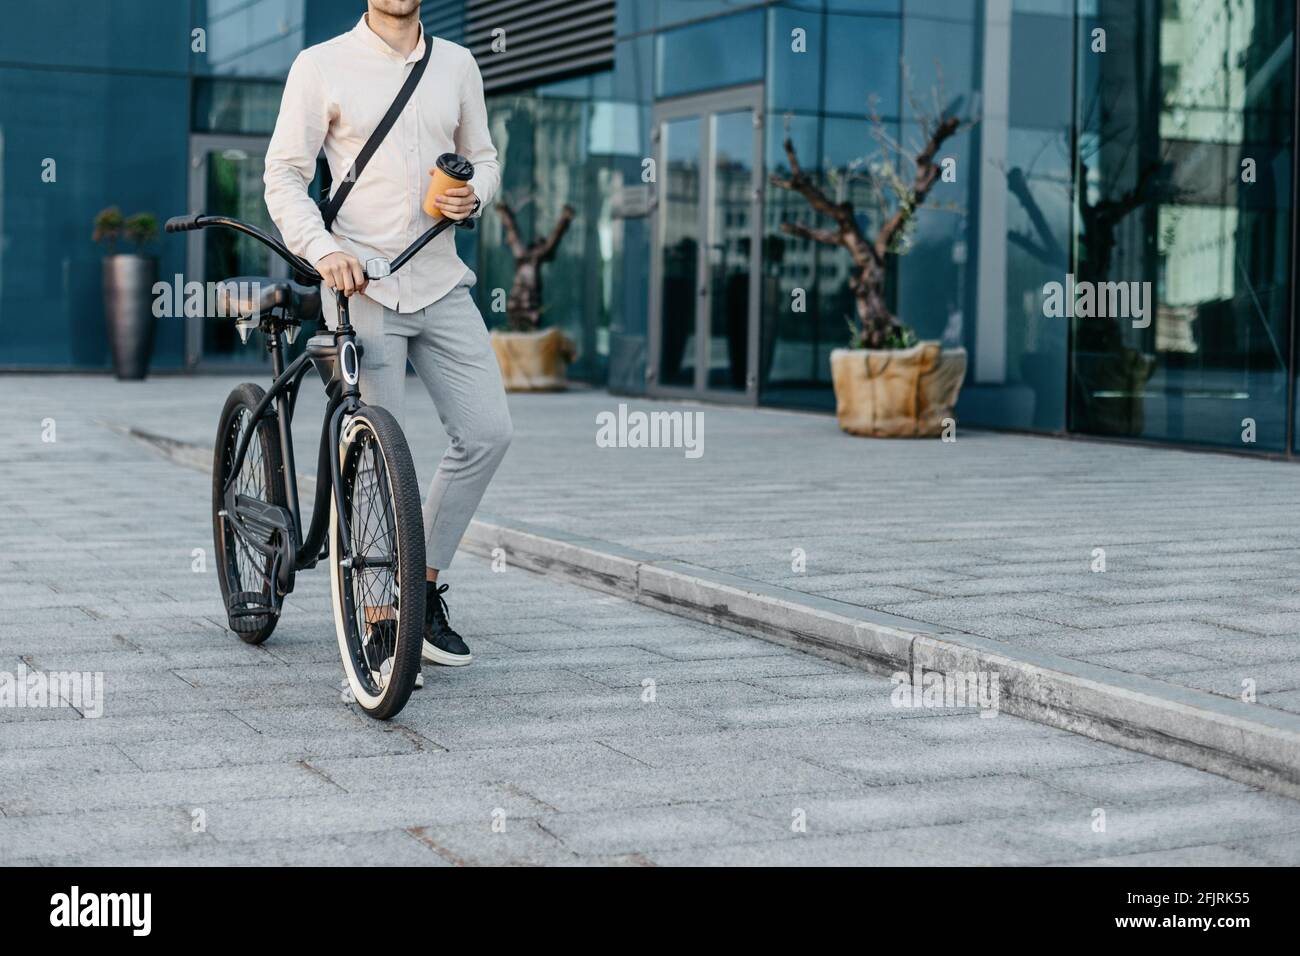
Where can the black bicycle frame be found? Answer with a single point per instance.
(338, 363)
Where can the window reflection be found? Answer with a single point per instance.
(680, 251)
(1184, 158)
(554, 144)
(730, 245)
(724, 52)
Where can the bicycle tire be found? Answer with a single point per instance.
(239, 567)
(385, 519)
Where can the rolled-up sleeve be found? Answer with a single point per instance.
(473, 137)
(300, 130)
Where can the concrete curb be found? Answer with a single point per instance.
(1257, 745)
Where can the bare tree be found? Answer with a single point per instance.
(1098, 220)
(524, 303)
(1109, 373)
(900, 195)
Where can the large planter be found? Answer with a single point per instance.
(902, 393)
(534, 361)
(128, 293)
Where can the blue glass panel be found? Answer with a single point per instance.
(635, 16)
(1184, 96)
(683, 11)
(252, 39)
(724, 52)
(549, 153)
(633, 74)
(1042, 50)
(115, 140)
(793, 368)
(864, 6)
(862, 61)
(796, 58)
(235, 106)
(968, 12)
(940, 57)
(1019, 236)
(933, 295)
(98, 34)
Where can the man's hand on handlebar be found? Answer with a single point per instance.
(342, 273)
(338, 270)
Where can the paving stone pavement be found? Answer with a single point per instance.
(212, 751)
(994, 534)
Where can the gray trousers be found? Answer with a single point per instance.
(447, 344)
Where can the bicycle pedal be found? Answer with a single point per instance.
(247, 611)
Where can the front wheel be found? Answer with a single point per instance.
(377, 563)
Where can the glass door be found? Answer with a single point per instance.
(226, 180)
(705, 268)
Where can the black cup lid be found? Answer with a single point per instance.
(456, 166)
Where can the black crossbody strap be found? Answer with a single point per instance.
(330, 209)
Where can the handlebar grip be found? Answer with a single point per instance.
(182, 223)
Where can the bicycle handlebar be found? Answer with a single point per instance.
(375, 268)
(200, 221)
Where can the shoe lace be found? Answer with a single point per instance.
(438, 608)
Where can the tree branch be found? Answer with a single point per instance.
(1031, 247)
(798, 229)
(849, 235)
(547, 248)
(1050, 251)
(800, 183)
(512, 229)
(927, 174)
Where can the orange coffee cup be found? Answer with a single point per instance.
(451, 170)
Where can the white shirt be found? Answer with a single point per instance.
(334, 97)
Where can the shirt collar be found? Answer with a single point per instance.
(373, 40)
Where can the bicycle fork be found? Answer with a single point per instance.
(347, 373)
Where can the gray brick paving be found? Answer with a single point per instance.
(549, 736)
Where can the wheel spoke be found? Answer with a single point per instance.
(251, 568)
(372, 524)
(247, 573)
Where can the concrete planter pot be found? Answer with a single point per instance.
(534, 361)
(128, 292)
(896, 393)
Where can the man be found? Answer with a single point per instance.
(334, 97)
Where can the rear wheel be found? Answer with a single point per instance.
(244, 572)
(377, 580)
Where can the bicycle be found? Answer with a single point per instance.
(365, 482)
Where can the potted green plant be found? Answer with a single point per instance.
(532, 359)
(887, 383)
(129, 278)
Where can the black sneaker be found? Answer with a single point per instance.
(442, 645)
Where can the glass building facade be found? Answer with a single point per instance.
(160, 106)
(1139, 146)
